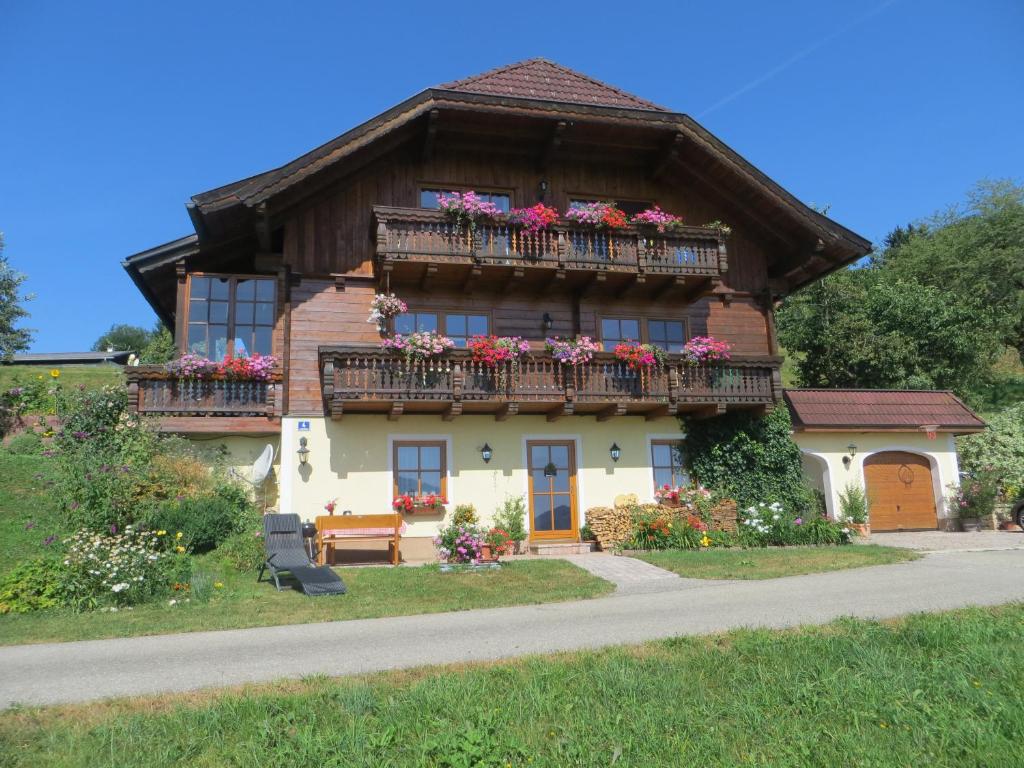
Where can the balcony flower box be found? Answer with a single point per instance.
(430, 504)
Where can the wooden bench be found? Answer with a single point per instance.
(332, 529)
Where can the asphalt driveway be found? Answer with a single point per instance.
(83, 671)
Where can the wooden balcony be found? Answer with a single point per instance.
(369, 380)
(244, 407)
(419, 246)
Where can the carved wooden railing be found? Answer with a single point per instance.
(362, 374)
(413, 234)
(154, 392)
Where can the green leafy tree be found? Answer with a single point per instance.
(123, 337)
(999, 448)
(161, 347)
(12, 339)
(862, 328)
(975, 250)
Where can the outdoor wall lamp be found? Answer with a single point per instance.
(550, 470)
(486, 453)
(851, 451)
(615, 451)
(303, 451)
(542, 189)
(547, 322)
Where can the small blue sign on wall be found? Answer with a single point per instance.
(303, 426)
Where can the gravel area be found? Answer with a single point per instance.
(940, 541)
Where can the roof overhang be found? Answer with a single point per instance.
(154, 267)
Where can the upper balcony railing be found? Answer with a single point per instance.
(424, 235)
(373, 380)
(152, 391)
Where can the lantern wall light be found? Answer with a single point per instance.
(303, 451)
(486, 453)
(615, 451)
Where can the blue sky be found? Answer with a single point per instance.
(114, 113)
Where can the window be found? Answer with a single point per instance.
(419, 469)
(667, 463)
(502, 200)
(628, 207)
(615, 330)
(230, 316)
(459, 327)
(670, 335)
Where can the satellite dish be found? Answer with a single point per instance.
(261, 468)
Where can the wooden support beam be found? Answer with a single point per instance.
(515, 275)
(471, 280)
(556, 280)
(661, 411)
(565, 409)
(506, 410)
(396, 410)
(431, 134)
(615, 409)
(428, 277)
(337, 409)
(667, 286)
(453, 410)
(669, 155)
(339, 282)
(263, 229)
(708, 411)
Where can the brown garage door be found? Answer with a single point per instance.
(900, 491)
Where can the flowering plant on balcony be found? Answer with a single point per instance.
(600, 215)
(492, 351)
(192, 367)
(466, 207)
(705, 349)
(385, 306)
(571, 351)
(655, 217)
(431, 502)
(722, 227)
(640, 356)
(692, 497)
(421, 345)
(533, 219)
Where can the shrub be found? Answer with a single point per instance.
(976, 495)
(511, 516)
(243, 551)
(772, 525)
(465, 514)
(853, 504)
(748, 458)
(206, 520)
(1000, 446)
(656, 527)
(122, 567)
(459, 543)
(26, 444)
(33, 585)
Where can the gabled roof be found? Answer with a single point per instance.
(547, 81)
(69, 358)
(880, 409)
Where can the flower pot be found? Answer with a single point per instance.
(487, 554)
(861, 529)
(970, 524)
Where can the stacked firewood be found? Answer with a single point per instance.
(723, 516)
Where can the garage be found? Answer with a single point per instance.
(901, 491)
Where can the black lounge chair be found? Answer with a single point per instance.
(282, 538)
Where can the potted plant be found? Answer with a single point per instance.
(640, 357)
(655, 218)
(975, 498)
(599, 215)
(459, 544)
(511, 517)
(854, 506)
(705, 349)
(571, 351)
(501, 354)
(466, 208)
(534, 219)
(496, 543)
(384, 307)
(428, 504)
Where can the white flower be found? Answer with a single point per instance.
(775, 517)
(119, 587)
(172, 602)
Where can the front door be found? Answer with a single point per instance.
(553, 513)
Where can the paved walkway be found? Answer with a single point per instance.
(940, 541)
(83, 671)
(630, 575)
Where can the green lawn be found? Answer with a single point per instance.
(772, 563)
(27, 515)
(92, 376)
(938, 690)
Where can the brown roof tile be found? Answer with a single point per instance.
(879, 409)
(547, 81)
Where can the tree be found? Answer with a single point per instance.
(862, 328)
(975, 250)
(1000, 446)
(12, 339)
(123, 337)
(161, 347)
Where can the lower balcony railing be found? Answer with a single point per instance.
(154, 392)
(371, 380)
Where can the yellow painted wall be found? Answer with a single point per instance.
(242, 451)
(350, 460)
(824, 451)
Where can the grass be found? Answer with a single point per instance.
(373, 592)
(92, 376)
(941, 689)
(772, 563)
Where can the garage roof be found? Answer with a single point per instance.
(880, 409)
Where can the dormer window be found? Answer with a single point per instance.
(230, 315)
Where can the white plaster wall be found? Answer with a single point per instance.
(242, 451)
(350, 460)
(831, 447)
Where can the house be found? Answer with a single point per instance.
(288, 262)
(898, 445)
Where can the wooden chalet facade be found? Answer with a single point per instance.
(287, 262)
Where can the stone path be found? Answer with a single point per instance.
(629, 574)
(52, 673)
